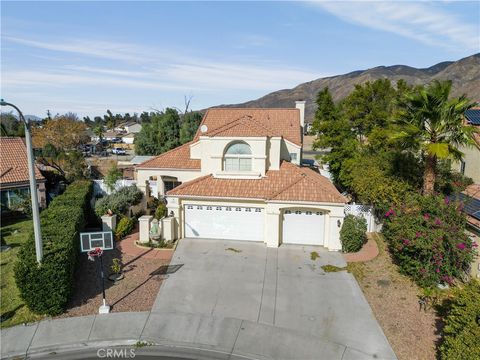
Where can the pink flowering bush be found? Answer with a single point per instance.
(426, 237)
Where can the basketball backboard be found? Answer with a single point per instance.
(92, 240)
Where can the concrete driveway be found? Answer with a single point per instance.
(281, 287)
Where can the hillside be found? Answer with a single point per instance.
(464, 73)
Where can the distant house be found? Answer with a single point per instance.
(14, 181)
(129, 138)
(133, 128)
(128, 127)
(470, 164)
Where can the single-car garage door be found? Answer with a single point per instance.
(303, 227)
(224, 222)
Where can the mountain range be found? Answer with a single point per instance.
(464, 74)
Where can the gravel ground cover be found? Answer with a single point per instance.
(412, 333)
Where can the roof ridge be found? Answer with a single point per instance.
(166, 152)
(188, 183)
(226, 126)
(277, 193)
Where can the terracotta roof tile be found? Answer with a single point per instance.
(259, 122)
(290, 183)
(178, 158)
(13, 162)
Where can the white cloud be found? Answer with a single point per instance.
(421, 21)
(153, 69)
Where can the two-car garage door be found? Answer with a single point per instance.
(224, 222)
(302, 227)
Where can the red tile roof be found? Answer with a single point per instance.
(233, 122)
(248, 122)
(178, 158)
(13, 162)
(290, 183)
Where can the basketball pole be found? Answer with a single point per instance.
(104, 309)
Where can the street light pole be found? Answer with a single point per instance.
(33, 184)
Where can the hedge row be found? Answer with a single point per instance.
(46, 288)
(462, 324)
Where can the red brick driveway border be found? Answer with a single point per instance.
(368, 252)
(129, 246)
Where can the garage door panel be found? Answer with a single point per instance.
(303, 227)
(224, 222)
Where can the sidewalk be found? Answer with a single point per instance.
(226, 337)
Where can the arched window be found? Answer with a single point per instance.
(238, 157)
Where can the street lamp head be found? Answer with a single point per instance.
(3, 102)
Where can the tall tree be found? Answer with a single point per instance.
(190, 123)
(432, 124)
(161, 135)
(62, 132)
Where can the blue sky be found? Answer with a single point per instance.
(87, 57)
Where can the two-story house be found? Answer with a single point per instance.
(240, 179)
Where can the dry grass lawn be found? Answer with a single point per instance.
(394, 300)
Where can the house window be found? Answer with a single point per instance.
(170, 185)
(12, 198)
(293, 156)
(462, 167)
(238, 157)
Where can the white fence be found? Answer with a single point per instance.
(100, 188)
(366, 212)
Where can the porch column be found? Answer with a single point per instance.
(144, 228)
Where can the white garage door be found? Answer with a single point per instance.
(303, 227)
(224, 222)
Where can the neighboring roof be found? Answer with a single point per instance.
(111, 134)
(248, 122)
(136, 160)
(290, 183)
(473, 116)
(13, 164)
(129, 135)
(178, 158)
(473, 191)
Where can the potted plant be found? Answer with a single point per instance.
(116, 269)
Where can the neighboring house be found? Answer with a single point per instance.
(133, 128)
(129, 127)
(14, 181)
(240, 179)
(128, 138)
(470, 164)
(112, 135)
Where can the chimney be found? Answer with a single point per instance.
(300, 105)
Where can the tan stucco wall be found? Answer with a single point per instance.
(472, 163)
(273, 216)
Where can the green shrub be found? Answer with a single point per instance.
(462, 324)
(353, 233)
(426, 237)
(161, 211)
(46, 288)
(124, 227)
(119, 201)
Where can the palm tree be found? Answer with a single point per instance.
(98, 130)
(432, 124)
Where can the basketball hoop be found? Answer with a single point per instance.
(92, 254)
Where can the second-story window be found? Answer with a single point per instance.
(238, 157)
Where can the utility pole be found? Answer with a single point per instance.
(33, 184)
